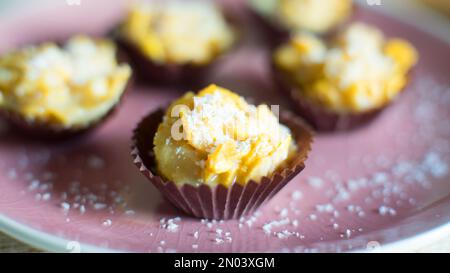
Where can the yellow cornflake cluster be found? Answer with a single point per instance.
(311, 15)
(177, 31)
(69, 86)
(224, 140)
(359, 71)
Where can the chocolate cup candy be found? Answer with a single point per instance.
(218, 202)
(321, 118)
(48, 131)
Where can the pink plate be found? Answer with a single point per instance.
(374, 186)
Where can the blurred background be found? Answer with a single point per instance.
(413, 10)
(442, 6)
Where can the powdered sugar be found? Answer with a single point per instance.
(171, 225)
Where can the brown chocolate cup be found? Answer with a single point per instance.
(148, 71)
(218, 202)
(320, 118)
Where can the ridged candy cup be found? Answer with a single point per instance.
(148, 71)
(218, 202)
